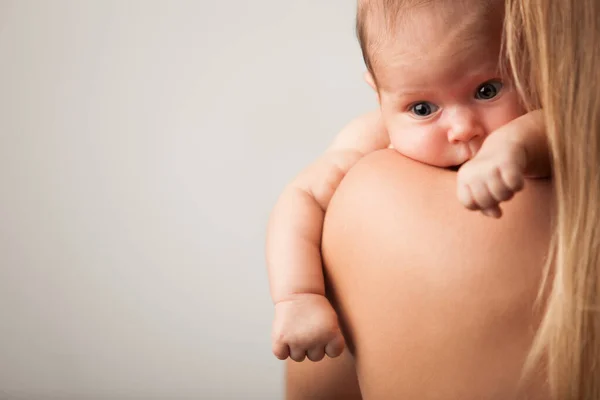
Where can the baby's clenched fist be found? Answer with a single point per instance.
(306, 325)
(494, 175)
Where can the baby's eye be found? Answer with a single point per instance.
(423, 109)
(488, 90)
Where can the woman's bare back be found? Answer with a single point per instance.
(437, 302)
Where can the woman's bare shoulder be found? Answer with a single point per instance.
(437, 301)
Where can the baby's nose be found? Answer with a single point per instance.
(464, 127)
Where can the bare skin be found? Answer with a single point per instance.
(509, 155)
(442, 103)
(305, 323)
(330, 379)
(436, 302)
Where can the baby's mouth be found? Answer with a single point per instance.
(468, 152)
(473, 148)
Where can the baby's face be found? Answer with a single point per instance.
(441, 94)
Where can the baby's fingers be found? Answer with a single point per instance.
(494, 212)
(482, 196)
(513, 178)
(316, 354)
(335, 347)
(281, 350)
(465, 197)
(297, 353)
(498, 188)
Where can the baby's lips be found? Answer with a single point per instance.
(463, 154)
(473, 148)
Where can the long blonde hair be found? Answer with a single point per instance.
(553, 47)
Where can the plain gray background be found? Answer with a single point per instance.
(142, 145)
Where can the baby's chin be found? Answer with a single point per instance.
(450, 163)
(455, 166)
(452, 166)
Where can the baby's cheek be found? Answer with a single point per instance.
(411, 143)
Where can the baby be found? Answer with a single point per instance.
(443, 101)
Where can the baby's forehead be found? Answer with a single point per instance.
(416, 26)
(427, 75)
(431, 36)
(436, 44)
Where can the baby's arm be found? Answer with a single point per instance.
(516, 151)
(305, 323)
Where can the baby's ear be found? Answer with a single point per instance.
(369, 79)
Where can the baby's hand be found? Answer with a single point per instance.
(306, 326)
(494, 175)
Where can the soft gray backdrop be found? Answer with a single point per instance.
(142, 144)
